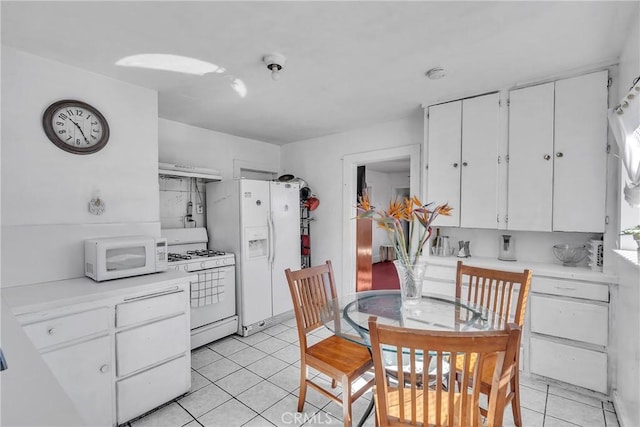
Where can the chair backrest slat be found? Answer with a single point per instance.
(312, 290)
(424, 398)
(494, 289)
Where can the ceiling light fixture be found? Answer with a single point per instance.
(435, 73)
(275, 62)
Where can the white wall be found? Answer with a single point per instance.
(629, 69)
(194, 146)
(45, 190)
(319, 162)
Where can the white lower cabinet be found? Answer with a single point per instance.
(84, 372)
(569, 363)
(566, 331)
(570, 332)
(141, 347)
(153, 362)
(151, 388)
(118, 356)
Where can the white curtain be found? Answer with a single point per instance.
(624, 121)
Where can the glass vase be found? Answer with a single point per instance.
(411, 277)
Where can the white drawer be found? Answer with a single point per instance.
(573, 365)
(66, 328)
(574, 320)
(149, 308)
(152, 388)
(143, 346)
(441, 273)
(570, 288)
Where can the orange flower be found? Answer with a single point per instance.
(364, 203)
(409, 209)
(396, 210)
(444, 209)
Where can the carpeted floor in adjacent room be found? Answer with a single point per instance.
(384, 276)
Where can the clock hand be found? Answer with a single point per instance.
(80, 129)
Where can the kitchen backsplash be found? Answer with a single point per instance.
(529, 245)
(175, 194)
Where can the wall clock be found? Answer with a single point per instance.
(75, 126)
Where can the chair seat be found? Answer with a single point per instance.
(340, 355)
(393, 408)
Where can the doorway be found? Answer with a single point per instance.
(399, 159)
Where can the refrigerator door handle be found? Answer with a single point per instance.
(273, 241)
(270, 227)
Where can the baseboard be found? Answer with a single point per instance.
(621, 412)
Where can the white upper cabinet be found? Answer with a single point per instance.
(479, 188)
(463, 160)
(580, 166)
(444, 148)
(530, 186)
(557, 155)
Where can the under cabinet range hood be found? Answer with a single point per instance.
(183, 171)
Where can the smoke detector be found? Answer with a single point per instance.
(275, 62)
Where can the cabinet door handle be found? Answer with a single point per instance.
(51, 331)
(559, 154)
(104, 369)
(547, 157)
(455, 165)
(465, 164)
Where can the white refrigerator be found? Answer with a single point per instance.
(259, 221)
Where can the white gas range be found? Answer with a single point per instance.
(213, 296)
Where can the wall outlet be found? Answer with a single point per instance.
(199, 208)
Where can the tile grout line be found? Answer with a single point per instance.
(546, 399)
(187, 411)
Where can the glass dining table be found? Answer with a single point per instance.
(348, 315)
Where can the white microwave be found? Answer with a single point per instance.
(117, 257)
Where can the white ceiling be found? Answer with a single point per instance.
(350, 64)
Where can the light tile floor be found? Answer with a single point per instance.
(254, 382)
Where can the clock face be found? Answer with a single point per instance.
(76, 127)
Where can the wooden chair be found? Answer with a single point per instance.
(312, 290)
(409, 403)
(494, 289)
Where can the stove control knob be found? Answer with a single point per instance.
(218, 262)
(186, 268)
(202, 265)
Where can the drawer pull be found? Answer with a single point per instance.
(566, 288)
(104, 369)
(51, 331)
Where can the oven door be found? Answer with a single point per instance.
(219, 281)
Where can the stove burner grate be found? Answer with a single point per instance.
(177, 257)
(205, 253)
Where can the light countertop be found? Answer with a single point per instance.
(30, 298)
(537, 268)
(632, 257)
